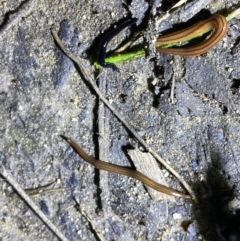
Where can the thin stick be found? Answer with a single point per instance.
(234, 14)
(89, 219)
(167, 14)
(172, 91)
(90, 79)
(31, 204)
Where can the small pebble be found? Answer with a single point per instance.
(177, 216)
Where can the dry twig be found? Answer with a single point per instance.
(30, 203)
(88, 77)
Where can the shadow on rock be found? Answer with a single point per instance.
(216, 221)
